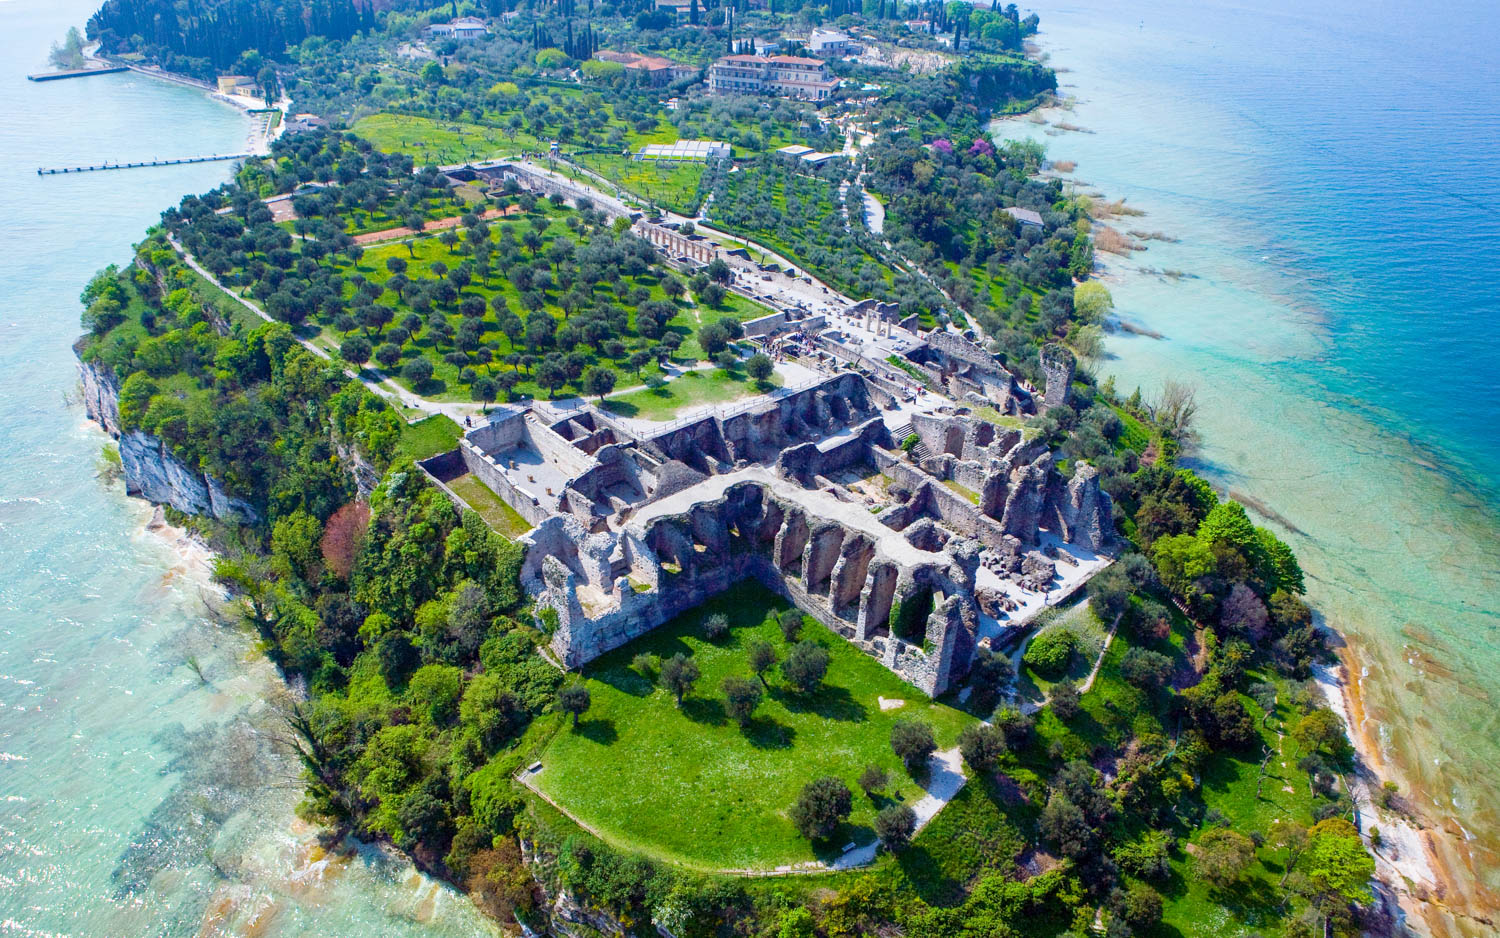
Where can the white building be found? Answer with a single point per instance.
(465, 27)
(831, 42)
(789, 75)
(686, 151)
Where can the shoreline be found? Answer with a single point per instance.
(260, 138)
(1421, 865)
(317, 856)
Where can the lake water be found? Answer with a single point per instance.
(1332, 175)
(135, 798)
(1336, 217)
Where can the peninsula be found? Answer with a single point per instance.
(659, 445)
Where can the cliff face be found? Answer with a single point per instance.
(151, 471)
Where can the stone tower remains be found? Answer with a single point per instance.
(1058, 365)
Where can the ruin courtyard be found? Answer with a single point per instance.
(920, 524)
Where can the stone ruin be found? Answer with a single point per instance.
(917, 559)
(968, 373)
(1058, 365)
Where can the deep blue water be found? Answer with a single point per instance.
(1369, 137)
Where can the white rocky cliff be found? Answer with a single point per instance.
(151, 470)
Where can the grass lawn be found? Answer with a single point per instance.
(994, 416)
(1135, 435)
(233, 311)
(501, 518)
(1079, 619)
(985, 827)
(672, 186)
(966, 493)
(1230, 786)
(688, 390)
(428, 437)
(689, 785)
(442, 142)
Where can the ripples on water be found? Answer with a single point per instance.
(135, 798)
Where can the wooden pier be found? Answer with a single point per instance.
(76, 73)
(181, 161)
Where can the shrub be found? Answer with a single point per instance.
(678, 675)
(1141, 906)
(824, 802)
(805, 666)
(873, 779)
(1224, 856)
(982, 746)
(762, 658)
(895, 825)
(913, 743)
(573, 699)
(741, 697)
(1016, 726)
(1145, 668)
(791, 624)
(988, 678)
(759, 366)
(797, 923)
(1064, 700)
(418, 371)
(716, 627)
(1050, 653)
(646, 665)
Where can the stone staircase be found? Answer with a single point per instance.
(902, 432)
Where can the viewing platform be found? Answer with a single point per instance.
(181, 161)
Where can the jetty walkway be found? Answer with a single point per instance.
(77, 73)
(180, 161)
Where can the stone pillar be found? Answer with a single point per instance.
(791, 539)
(1024, 501)
(821, 554)
(992, 493)
(849, 574)
(875, 602)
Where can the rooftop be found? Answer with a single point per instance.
(686, 150)
(770, 60)
(1025, 216)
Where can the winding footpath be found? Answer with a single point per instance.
(377, 381)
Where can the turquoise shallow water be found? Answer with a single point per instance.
(135, 799)
(1330, 171)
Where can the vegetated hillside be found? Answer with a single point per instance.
(203, 37)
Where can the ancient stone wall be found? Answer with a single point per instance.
(487, 469)
(809, 460)
(503, 431)
(842, 576)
